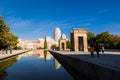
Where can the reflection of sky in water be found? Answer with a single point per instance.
(35, 67)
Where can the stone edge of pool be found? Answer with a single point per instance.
(13, 54)
(91, 70)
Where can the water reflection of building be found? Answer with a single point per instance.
(38, 53)
(30, 53)
(42, 54)
(57, 64)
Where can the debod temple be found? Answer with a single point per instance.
(78, 41)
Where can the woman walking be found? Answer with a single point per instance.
(92, 49)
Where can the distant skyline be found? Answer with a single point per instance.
(30, 19)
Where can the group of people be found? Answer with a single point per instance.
(96, 47)
(6, 51)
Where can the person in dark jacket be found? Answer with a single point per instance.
(97, 49)
(92, 49)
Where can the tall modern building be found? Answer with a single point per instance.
(57, 34)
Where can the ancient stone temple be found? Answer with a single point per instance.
(62, 43)
(78, 40)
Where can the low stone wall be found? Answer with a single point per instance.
(14, 53)
(91, 70)
(112, 50)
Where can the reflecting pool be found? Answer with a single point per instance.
(33, 65)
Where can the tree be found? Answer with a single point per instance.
(45, 55)
(6, 64)
(53, 47)
(118, 46)
(109, 40)
(105, 38)
(90, 37)
(7, 39)
(12, 40)
(116, 41)
(68, 44)
(45, 43)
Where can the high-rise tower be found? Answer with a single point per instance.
(57, 34)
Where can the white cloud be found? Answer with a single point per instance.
(68, 20)
(25, 23)
(85, 24)
(45, 28)
(25, 28)
(1, 10)
(92, 19)
(5, 12)
(75, 22)
(102, 11)
(113, 28)
(18, 22)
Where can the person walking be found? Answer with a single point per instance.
(10, 50)
(92, 49)
(97, 49)
(6, 50)
(102, 48)
(2, 51)
(81, 48)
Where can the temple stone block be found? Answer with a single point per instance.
(62, 43)
(78, 40)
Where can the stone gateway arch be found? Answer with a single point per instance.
(78, 40)
(62, 43)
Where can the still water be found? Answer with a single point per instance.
(33, 65)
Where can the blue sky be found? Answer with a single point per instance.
(30, 19)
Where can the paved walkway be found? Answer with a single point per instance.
(14, 52)
(108, 59)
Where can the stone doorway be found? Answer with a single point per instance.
(80, 44)
(63, 46)
(62, 43)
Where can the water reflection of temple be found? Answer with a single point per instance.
(38, 53)
(57, 64)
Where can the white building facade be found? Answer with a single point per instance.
(57, 34)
